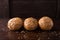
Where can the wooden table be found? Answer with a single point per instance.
(22, 34)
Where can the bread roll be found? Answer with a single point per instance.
(45, 23)
(15, 23)
(30, 23)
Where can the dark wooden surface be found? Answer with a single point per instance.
(28, 8)
(34, 8)
(4, 9)
(22, 34)
(58, 9)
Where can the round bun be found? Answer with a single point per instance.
(15, 23)
(45, 23)
(30, 23)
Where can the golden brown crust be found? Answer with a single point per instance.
(45, 23)
(30, 23)
(15, 23)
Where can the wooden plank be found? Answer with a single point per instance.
(58, 9)
(35, 8)
(4, 9)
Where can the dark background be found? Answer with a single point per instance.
(28, 8)
(4, 9)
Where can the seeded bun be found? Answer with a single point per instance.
(15, 23)
(45, 23)
(30, 23)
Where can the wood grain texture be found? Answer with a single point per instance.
(34, 8)
(58, 9)
(4, 9)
